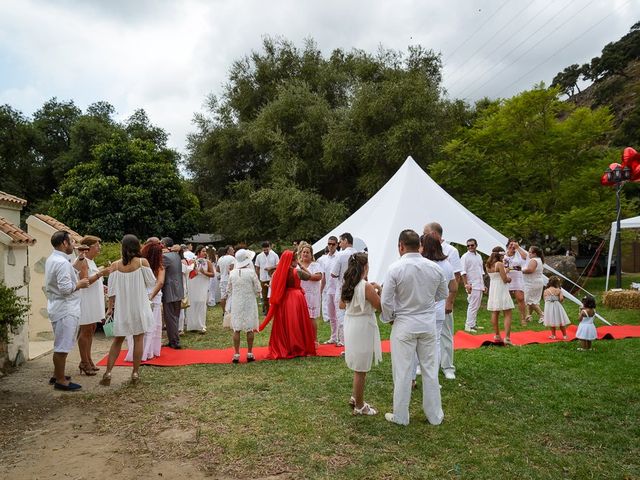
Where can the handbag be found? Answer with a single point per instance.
(108, 326)
(185, 303)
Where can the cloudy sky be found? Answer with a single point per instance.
(166, 56)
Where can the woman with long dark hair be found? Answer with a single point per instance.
(499, 297)
(292, 333)
(360, 299)
(129, 281)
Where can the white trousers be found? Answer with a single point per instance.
(404, 347)
(329, 313)
(339, 318)
(446, 344)
(474, 299)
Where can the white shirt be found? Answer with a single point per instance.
(266, 261)
(473, 268)
(453, 257)
(224, 262)
(60, 280)
(327, 263)
(341, 264)
(410, 291)
(189, 255)
(441, 305)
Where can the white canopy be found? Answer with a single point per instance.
(633, 222)
(410, 199)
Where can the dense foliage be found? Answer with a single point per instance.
(13, 311)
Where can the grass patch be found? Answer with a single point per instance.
(539, 411)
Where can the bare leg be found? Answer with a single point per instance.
(522, 308)
(358, 388)
(84, 344)
(59, 363)
(250, 336)
(553, 331)
(236, 342)
(93, 332)
(114, 351)
(507, 323)
(138, 348)
(494, 323)
(587, 344)
(563, 329)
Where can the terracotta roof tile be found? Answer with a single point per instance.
(17, 235)
(58, 225)
(7, 197)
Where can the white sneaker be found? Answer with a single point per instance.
(470, 329)
(389, 417)
(449, 375)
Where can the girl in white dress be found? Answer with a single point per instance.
(499, 297)
(361, 335)
(586, 329)
(311, 287)
(91, 303)
(129, 280)
(153, 338)
(554, 314)
(534, 282)
(199, 280)
(243, 289)
(514, 261)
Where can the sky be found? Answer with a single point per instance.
(168, 56)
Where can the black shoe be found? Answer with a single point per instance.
(67, 388)
(52, 380)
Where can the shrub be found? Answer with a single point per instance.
(13, 311)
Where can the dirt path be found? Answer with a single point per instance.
(47, 434)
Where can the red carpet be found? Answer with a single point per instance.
(462, 340)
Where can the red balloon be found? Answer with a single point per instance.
(604, 181)
(630, 157)
(635, 173)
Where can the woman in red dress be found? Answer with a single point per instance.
(292, 333)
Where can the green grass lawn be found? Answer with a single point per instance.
(538, 411)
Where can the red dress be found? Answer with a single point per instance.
(292, 333)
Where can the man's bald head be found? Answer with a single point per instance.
(433, 229)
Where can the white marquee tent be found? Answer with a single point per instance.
(410, 199)
(633, 222)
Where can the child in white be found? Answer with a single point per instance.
(554, 314)
(586, 329)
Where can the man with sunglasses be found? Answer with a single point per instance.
(473, 280)
(328, 286)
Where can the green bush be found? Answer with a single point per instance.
(110, 252)
(13, 311)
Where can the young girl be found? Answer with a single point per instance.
(554, 314)
(499, 297)
(361, 334)
(586, 330)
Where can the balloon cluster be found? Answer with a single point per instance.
(630, 159)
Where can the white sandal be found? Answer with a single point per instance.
(365, 410)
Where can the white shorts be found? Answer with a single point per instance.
(65, 333)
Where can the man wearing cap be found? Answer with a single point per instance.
(243, 288)
(63, 303)
(172, 291)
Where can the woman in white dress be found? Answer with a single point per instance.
(91, 303)
(534, 282)
(187, 267)
(214, 284)
(129, 281)
(199, 280)
(499, 297)
(514, 261)
(243, 288)
(153, 338)
(311, 287)
(361, 335)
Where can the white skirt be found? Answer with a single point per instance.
(361, 342)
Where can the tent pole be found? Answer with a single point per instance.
(618, 240)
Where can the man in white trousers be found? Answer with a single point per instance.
(339, 267)
(411, 288)
(473, 280)
(446, 336)
(328, 287)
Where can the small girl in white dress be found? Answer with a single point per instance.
(361, 335)
(554, 314)
(586, 329)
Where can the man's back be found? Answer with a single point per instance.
(172, 290)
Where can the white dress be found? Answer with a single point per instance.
(533, 284)
(515, 264)
(361, 334)
(132, 313)
(586, 329)
(92, 298)
(243, 288)
(153, 338)
(198, 293)
(554, 314)
(312, 291)
(499, 297)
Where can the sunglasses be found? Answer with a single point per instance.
(332, 244)
(470, 245)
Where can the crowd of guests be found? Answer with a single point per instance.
(160, 283)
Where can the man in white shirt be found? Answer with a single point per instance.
(63, 304)
(473, 280)
(187, 252)
(225, 265)
(266, 263)
(446, 337)
(337, 272)
(328, 286)
(410, 291)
